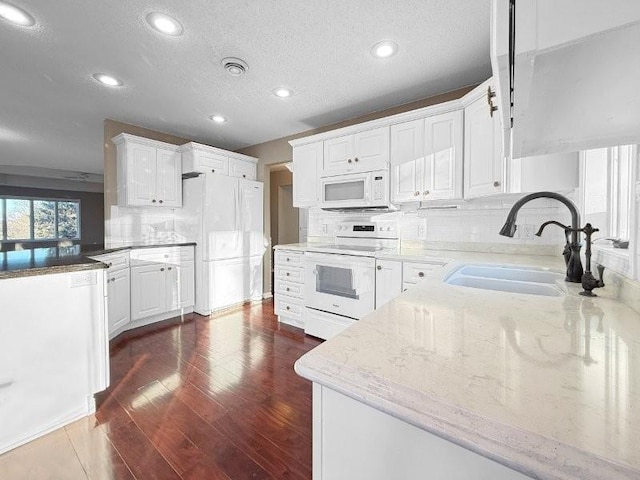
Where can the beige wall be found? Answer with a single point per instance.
(279, 151)
(277, 179)
(111, 129)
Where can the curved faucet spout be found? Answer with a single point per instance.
(509, 228)
(552, 222)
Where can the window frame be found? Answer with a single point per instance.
(4, 230)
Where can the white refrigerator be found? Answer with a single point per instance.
(224, 216)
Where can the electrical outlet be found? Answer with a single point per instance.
(422, 232)
(325, 228)
(526, 231)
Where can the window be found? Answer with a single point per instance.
(39, 219)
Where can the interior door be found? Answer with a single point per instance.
(221, 230)
(252, 217)
(169, 178)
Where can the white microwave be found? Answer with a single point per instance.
(355, 190)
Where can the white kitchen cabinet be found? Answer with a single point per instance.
(198, 158)
(307, 161)
(426, 158)
(118, 299)
(484, 164)
(359, 152)
(162, 281)
(289, 287)
(148, 291)
(242, 168)
(573, 75)
(388, 281)
(407, 161)
(149, 172)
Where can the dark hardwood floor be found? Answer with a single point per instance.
(213, 398)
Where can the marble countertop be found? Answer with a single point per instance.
(43, 261)
(549, 386)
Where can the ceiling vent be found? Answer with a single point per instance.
(235, 66)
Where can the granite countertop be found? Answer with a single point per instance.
(43, 261)
(100, 250)
(549, 386)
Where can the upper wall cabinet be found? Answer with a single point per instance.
(198, 158)
(360, 152)
(149, 172)
(484, 164)
(570, 82)
(307, 160)
(426, 158)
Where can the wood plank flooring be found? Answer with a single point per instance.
(212, 398)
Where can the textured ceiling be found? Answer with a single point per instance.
(52, 112)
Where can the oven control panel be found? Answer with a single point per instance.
(367, 229)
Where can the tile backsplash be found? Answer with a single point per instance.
(476, 222)
(129, 225)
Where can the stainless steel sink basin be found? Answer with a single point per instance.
(511, 279)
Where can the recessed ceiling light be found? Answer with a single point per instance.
(218, 118)
(235, 66)
(384, 49)
(165, 24)
(108, 80)
(16, 15)
(282, 92)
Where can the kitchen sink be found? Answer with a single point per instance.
(511, 279)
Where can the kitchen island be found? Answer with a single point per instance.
(53, 341)
(458, 382)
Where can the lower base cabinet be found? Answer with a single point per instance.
(353, 440)
(118, 299)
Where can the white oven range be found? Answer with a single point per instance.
(340, 278)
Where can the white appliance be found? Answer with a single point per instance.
(355, 190)
(340, 279)
(224, 216)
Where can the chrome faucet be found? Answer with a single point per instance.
(572, 247)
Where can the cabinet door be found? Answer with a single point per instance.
(338, 155)
(307, 160)
(483, 161)
(148, 291)
(141, 174)
(407, 161)
(371, 150)
(118, 298)
(211, 162)
(251, 217)
(180, 286)
(242, 169)
(443, 147)
(388, 281)
(169, 178)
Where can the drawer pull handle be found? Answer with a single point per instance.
(169, 268)
(356, 159)
(162, 269)
(426, 192)
(349, 161)
(421, 274)
(153, 201)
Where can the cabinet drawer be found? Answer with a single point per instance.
(290, 274)
(115, 261)
(242, 169)
(174, 255)
(324, 325)
(289, 307)
(415, 272)
(289, 258)
(289, 288)
(204, 159)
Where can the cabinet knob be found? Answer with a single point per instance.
(162, 269)
(160, 201)
(244, 176)
(166, 255)
(421, 274)
(496, 183)
(379, 267)
(169, 268)
(288, 307)
(287, 274)
(356, 159)
(213, 170)
(110, 264)
(426, 192)
(153, 201)
(288, 289)
(287, 259)
(416, 194)
(349, 160)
